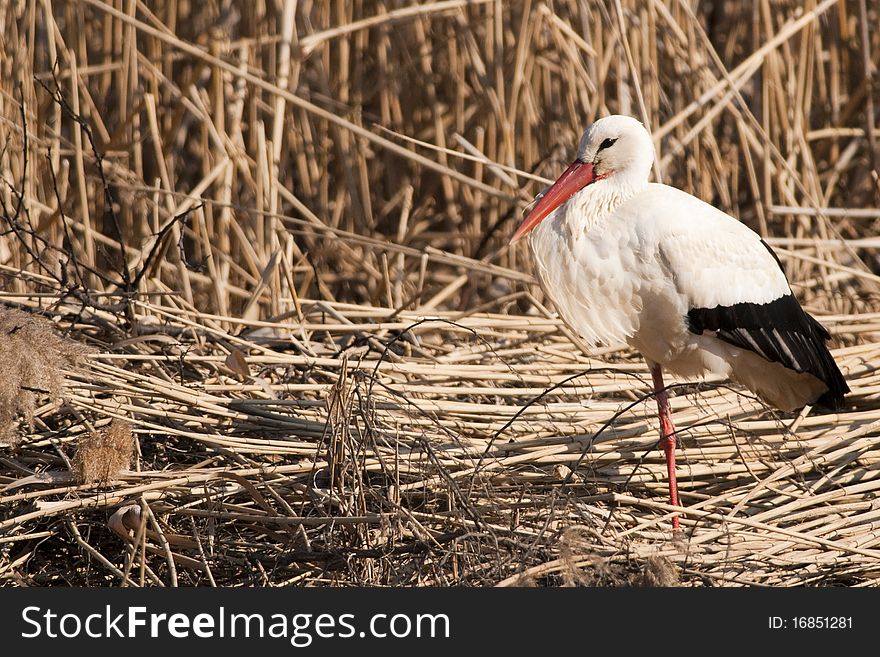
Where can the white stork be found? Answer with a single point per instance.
(691, 288)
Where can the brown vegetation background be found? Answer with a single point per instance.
(298, 348)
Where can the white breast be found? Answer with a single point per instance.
(600, 272)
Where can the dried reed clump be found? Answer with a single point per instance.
(100, 456)
(581, 566)
(651, 572)
(32, 361)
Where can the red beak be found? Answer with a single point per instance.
(574, 179)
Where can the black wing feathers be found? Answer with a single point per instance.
(779, 331)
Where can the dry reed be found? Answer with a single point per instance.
(101, 457)
(33, 356)
(283, 228)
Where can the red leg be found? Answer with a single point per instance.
(667, 436)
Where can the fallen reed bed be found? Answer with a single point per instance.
(275, 334)
(359, 444)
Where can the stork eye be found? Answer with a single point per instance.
(608, 143)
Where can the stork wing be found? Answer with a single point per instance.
(735, 287)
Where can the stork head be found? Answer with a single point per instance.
(615, 149)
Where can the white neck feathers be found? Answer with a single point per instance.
(596, 202)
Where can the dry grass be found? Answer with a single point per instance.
(283, 229)
(33, 356)
(101, 457)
